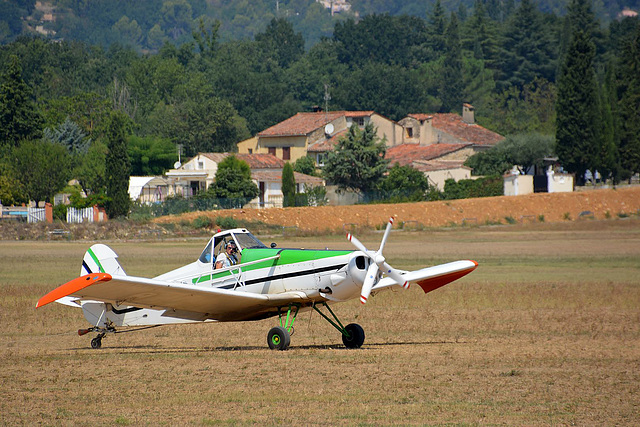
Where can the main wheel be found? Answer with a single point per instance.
(356, 336)
(278, 338)
(96, 342)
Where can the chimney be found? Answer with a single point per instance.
(468, 115)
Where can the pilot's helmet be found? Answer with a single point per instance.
(231, 244)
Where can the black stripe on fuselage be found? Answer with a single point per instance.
(288, 275)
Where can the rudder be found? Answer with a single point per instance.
(101, 258)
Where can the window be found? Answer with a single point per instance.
(409, 132)
(250, 150)
(320, 158)
(359, 121)
(272, 151)
(200, 165)
(286, 153)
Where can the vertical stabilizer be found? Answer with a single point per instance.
(101, 259)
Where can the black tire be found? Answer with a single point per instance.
(96, 343)
(278, 338)
(356, 336)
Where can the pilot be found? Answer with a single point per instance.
(229, 257)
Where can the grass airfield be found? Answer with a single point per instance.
(545, 331)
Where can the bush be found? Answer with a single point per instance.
(60, 212)
(202, 221)
(470, 188)
(226, 222)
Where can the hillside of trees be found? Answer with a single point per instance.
(147, 24)
(207, 92)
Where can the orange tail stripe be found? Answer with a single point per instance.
(73, 286)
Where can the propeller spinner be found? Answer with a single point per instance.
(379, 264)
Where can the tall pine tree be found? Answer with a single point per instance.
(629, 105)
(118, 167)
(452, 83)
(19, 117)
(577, 109)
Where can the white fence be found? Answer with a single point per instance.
(36, 215)
(79, 215)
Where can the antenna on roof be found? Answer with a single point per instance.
(327, 97)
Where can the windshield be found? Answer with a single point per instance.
(248, 240)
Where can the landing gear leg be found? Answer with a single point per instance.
(352, 334)
(279, 337)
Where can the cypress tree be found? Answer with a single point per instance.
(118, 167)
(629, 105)
(452, 83)
(577, 109)
(288, 186)
(19, 117)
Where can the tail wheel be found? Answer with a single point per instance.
(96, 342)
(278, 338)
(355, 339)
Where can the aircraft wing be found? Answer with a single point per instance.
(432, 278)
(220, 304)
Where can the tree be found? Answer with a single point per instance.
(233, 183)
(70, 136)
(288, 186)
(527, 51)
(629, 105)
(41, 168)
(358, 162)
(525, 150)
(280, 40)
(150, 155)
(451, 91)
(437, 28)
(91, 169)
(577, 109)
(404, 184)
(305, 165)
(19, 117)
(118, 167)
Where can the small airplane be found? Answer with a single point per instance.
(267, 282)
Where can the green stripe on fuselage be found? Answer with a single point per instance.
(287, 256)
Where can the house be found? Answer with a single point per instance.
(449, 128)
(315, 133)
(266, 171)
(148, 189)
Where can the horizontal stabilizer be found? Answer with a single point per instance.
(432, 278)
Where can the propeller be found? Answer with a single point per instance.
(379, 264)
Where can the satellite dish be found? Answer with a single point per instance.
(176, 165)
(328, 129)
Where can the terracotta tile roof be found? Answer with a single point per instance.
(438, 165)
(406, 154)
(276, 176)
(421, 117)
(358, 113)
(325, 145)
(454, 125)
(255, 161)
(301, 124)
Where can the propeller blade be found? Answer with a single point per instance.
(357, 244)
(386, 234)
(372, 272)
(391, 272)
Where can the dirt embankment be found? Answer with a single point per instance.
(548, 207)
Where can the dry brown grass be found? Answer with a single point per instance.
(545, 331)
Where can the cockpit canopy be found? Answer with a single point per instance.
(243, 238)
